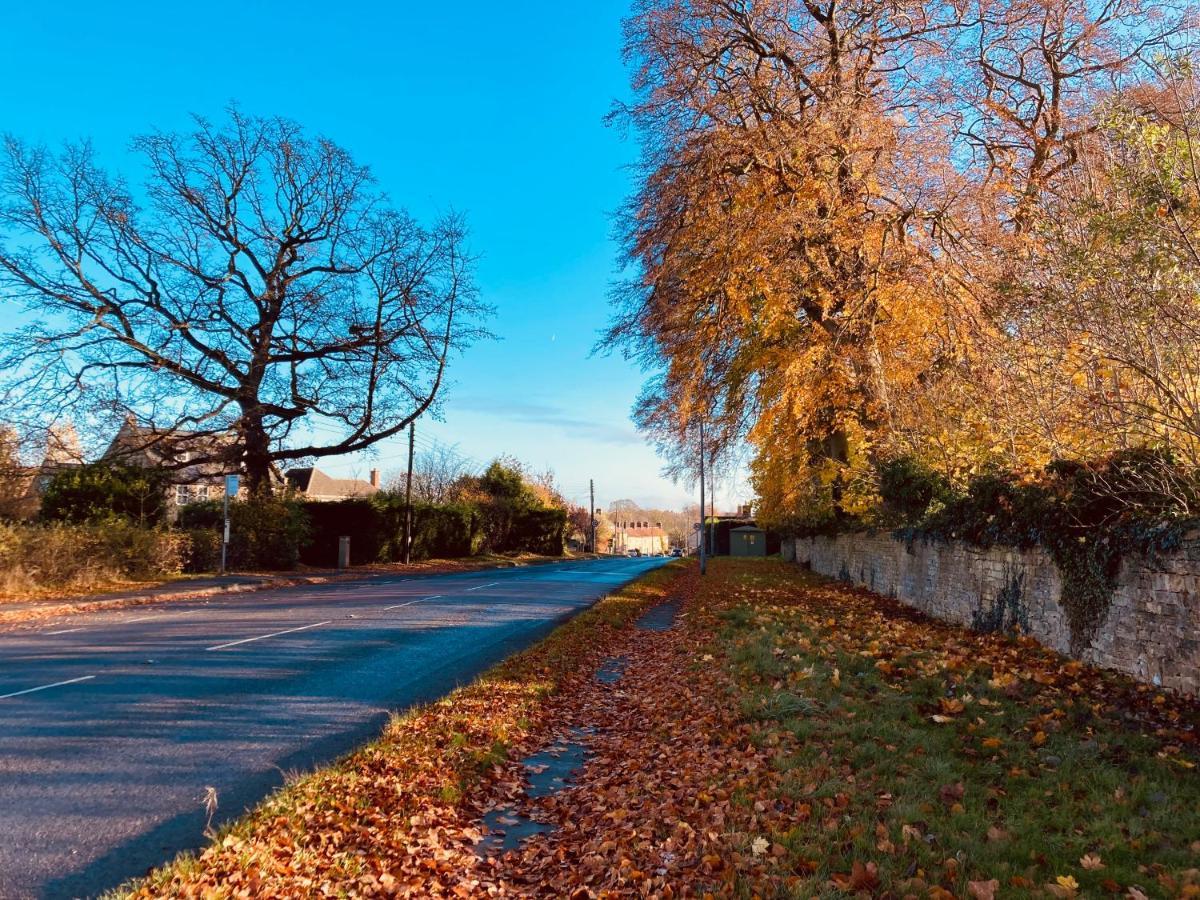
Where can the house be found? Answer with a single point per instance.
(313, 484)
(21, 486)
(644, 537)
(194, 459)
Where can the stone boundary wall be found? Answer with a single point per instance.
(1152, 631)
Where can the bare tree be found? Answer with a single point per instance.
(437, 473)
(256, 286)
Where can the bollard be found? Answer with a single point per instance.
(344, 552)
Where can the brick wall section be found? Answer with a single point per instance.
(1152, 630)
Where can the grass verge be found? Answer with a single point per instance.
(924, 760)
(349, 828)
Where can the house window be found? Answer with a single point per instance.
(184, 495)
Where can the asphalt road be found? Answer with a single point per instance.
(113, 725)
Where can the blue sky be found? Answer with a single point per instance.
(493, 109)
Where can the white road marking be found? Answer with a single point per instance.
(411, 602)
(46, 687)
(65, 631)
(482, 586)
(263, 637)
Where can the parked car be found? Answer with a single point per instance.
(633, 552)
(675, 551)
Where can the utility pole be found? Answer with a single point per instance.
(408, 496)
(703, 561)
(592, 501)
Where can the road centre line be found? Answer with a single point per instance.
(46, 687)
(66, 631)
(482, 586)
(411, 602)
(263, 637)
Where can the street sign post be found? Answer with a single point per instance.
(232, 483)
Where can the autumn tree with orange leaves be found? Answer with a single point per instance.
(836, 199)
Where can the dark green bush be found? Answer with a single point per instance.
(204, 550)
(1088, 516)
(367, 523)
(99, 492)
(448, 531)
(375, 527)
(908, 487)
(514, 517)
(539, 531)
(264, 533)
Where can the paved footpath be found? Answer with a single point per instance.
(115, 725)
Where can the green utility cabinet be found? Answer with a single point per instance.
(747, 541)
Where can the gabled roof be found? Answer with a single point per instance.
(171, 446)
(315, 483)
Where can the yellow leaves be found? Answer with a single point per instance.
(1002, 681)
(1064, 886)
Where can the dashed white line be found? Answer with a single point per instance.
(482, 586)
(65, 631)
(411, 602)
(46, 687)
(263, 637)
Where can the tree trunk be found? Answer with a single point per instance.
(256, 453)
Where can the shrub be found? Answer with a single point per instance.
(264, 533)
(375, 527)
(60, 555)
(204, 550)
(103, 491)
(447, 531)
(364, 521)
(908, 487)
(539, 531)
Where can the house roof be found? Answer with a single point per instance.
(315, 483)
(173, 446)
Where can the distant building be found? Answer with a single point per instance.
(313, 484)
(644, 537)
(193, 459)
(21, 486)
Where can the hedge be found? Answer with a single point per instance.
(264, 534)
(65, 556)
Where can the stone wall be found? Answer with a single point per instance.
(1152, 630)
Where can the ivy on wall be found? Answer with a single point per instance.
(1087, 516)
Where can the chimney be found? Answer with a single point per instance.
(375, 478)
